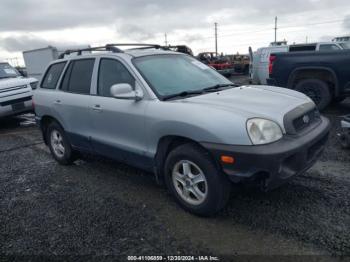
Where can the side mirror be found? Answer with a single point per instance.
(125, 91)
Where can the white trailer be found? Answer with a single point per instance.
(37, 60)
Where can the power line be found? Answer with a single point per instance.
(280, 27)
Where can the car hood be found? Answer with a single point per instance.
(16, 81)
(253, 101)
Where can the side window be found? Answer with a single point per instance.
(52, 75)
(77, 78)
(112, 72)
(329, 47)
(65, 81)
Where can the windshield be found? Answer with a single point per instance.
(345, 45)
(7, 71)
(172, 74)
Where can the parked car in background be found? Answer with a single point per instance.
(341, 39)
(36, 60)
(323, 76)
(170, 114)
(221, 63)
(179, 48)
(15, 91)
(240, 63)
(326, 46)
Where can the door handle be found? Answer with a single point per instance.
(57, 102)
(97, 108)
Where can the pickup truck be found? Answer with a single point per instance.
(323, 76)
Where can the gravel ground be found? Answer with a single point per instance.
(99, 207)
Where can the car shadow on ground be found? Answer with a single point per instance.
(14, 122)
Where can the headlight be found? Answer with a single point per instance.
(263, 131)
(34, 85)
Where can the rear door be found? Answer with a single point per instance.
(72, 102)
(118, 125)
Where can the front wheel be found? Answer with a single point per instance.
(195, 181)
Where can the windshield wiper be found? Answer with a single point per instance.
(182, 94)
(217, 87)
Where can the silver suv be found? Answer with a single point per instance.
(167, 113)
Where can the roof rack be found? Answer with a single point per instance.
(108, 47)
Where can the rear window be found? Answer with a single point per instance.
(302, 48)
(52, 75)
(77, 78)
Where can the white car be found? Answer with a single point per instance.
(15, 91)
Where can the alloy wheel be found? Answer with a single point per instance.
(190, 182)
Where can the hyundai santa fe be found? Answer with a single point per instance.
(168, 113)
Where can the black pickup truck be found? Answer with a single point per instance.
(323, 76)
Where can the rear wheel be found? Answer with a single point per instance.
(195, 181)
(317, 90)
(59, 145)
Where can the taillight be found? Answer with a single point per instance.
(271, 60)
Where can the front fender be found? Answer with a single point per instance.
(215, 126)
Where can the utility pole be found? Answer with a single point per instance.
(216, 38)
(166, 39)
(275, 29)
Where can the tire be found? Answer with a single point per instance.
(338, 100)
(58, 142)
(317, 90)
(214, 191)
(345, 140)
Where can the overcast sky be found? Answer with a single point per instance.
(28, 24)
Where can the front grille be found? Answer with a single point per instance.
(9, 89)
(15, 101)
(306, 120)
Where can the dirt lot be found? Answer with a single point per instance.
(99, 207)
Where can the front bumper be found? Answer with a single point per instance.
(273, 164)
(16, 108)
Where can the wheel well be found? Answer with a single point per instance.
(165, 145)
(44, 123)
(320, 74)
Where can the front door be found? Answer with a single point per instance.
(118, 125)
